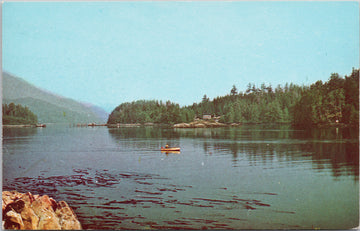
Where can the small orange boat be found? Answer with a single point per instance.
(168, 149)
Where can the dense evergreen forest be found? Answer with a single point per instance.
(17, 114)
(144, 111)
(336, 100)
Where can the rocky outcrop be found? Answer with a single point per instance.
(204, 124)
(27, 211)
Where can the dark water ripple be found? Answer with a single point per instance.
(149, 191)
(236, 186)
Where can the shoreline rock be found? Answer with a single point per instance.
(204, 124)
(28, 212)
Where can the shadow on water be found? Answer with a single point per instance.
(337, 148)
(143, 132)
(19, 132)
(145, 138)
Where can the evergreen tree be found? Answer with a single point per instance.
(233, 91)
(17, 114)
(335, 100)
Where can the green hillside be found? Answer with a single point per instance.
(335, 101)
(16, 114)
(48, 107)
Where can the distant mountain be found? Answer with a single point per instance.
(49, 108)
(100, 112)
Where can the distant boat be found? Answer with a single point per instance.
(40, 125)
(168, 149)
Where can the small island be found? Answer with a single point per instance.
(16, 115)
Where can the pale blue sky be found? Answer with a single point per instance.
(108, 53)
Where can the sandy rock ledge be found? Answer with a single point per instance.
(27, 211)
(205, 124)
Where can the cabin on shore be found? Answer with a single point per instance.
(206, 117)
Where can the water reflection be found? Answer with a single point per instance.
(20, 137)
(262, 132)
(144, 138)
(170, 152)
(118, 179)
(143, 132)
(335, 148)
(19, 132)
(328, 148)
(342, 158)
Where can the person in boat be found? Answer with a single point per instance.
(166, 146)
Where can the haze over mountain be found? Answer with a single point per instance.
(49, 108)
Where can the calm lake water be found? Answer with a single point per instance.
(251, 177)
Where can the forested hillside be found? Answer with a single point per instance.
(336, 100)
(144, 111)
(49, 108)
(17, 114)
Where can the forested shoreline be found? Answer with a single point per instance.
(17, 115)
(334, 101)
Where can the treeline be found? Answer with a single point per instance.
(150, 111)
(17, 114)
(256, 105)
(336, 100)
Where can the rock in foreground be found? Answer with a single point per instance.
(27, 211)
